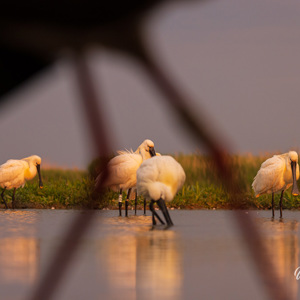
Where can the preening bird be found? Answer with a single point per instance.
(277, 174)
(134, 188)
(122, 170)
(14, 173)
(158, 180)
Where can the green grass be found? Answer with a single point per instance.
(62, 189)
(73, 189)
(202, 190)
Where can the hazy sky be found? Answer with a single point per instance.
(237, 59)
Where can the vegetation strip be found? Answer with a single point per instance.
(71, 189)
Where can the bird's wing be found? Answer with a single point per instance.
(13, 163)
(9, 169)
(268, 175)
(272, 162)
(120, 166)
(125, 159)
(123, 167)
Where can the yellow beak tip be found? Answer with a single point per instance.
(295, 194)
(41, 187)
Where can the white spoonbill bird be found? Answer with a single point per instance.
(14, 173)
(122, 170)
(134, 188)
(158, 180)
(277, 174)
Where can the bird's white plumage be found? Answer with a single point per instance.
(123, 167)
(275, 174)
(14, 173)
(122, 171)
(160, 177)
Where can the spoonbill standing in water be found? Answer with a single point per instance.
(134, 188)
(158, 180)
(277, 174)
(122, 170)
(14, 173)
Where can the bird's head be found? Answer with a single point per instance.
(147, 149)
(36, 160)
(293, 156)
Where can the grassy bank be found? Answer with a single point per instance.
(202, 190)
(72, 189)
(62, 189)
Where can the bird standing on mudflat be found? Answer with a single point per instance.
(158, 180)
(122, 170)
(14, 173)
(277, 174)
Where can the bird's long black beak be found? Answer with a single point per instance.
(38, 167)
(152, 151)
(295, 191)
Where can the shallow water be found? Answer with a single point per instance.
(202, 257)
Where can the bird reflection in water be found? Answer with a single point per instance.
(141, 263)
(19, 250)
(18, 260)
(283, 246)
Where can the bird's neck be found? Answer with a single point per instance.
(145, 155)
(30, 172)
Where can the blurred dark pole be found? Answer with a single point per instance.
(62, 258)
(17, 66)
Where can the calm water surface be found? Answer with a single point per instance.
(202, 257)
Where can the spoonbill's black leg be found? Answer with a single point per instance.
(135, 203)
(280, 204)
(273, 205)
(13, 199)
(126, 202)
(2, 195)
(152, 210)
(162, 205)
(120, 203)
(154, 214)
(144, 207)
(167, 213)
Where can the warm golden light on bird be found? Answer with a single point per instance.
(122, 170)
(277, 174)
(158, 180)
(14, 174)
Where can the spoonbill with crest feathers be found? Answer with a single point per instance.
(277, 174)
(14, 173)
(122, 170)
(158, 180)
